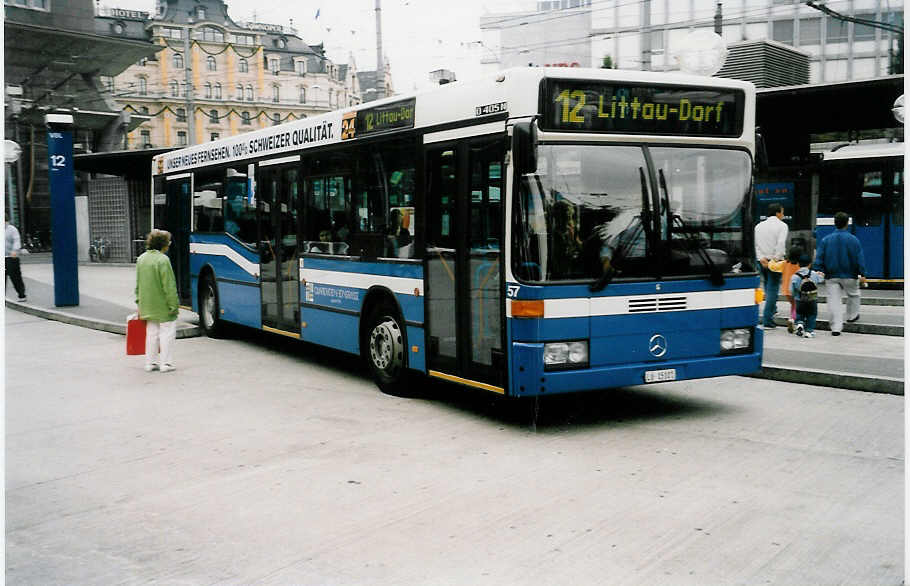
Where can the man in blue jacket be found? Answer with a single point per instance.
(840, 261)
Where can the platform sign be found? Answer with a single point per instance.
(768, 193)
(63, 209)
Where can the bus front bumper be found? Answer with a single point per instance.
(530, 379)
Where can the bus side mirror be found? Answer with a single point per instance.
(524, 147)
(761, 154)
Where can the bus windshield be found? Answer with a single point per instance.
(645, 211)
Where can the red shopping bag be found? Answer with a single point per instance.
(135, 335)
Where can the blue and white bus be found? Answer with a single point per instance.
(867, 182)
(540, 231)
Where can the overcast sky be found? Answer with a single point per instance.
(418, 35)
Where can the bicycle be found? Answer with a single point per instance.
(99, 250)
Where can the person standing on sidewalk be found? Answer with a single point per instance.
(839, 259)
(156, 296)
(13, 270)
(770, 245)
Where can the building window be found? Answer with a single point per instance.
(243, 66)
(864, 32)
(178, 61)
(208, 90)
(181, 138)
(249, 93)
(217, 91)
(143, 62)
(810, 31)
(276, 119)
(108, 82)
(33, 4)
(837, 31)
(212, 35)
(244, 39)
(782, 31)
(239, 96)
(172, 33)
(200, 13)
(143, 86)
(175, 89)
(302, 95)
(146, 138)
(276, 93)
(301, 68)
(183, 89)
(245, 118)
(210, 63)
(274, 66)
(330, 97)
(214, 136)
(213, 116)
(181, 115)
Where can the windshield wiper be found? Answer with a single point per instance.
(716, 277)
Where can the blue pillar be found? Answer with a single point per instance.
(63, 208)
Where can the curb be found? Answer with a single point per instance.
(879, 301)
(184, 330)
(829, 378)
(853, 328)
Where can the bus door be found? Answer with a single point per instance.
(464, 255)
(896, 222)
(278, 191)
(870, 222)
(177, 215)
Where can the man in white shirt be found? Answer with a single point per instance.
(13, 245)
(771, 244)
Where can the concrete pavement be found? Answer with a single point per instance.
(869, 356)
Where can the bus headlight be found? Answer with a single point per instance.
(735, 340)
(560, 355)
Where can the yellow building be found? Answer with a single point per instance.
(230, 77)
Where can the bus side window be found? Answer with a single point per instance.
(239, 215)
(328, 207)
(869, 208)
(208, 202)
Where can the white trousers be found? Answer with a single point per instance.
(836, 289)
(163, 333)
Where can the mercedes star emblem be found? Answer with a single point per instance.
(657, 345)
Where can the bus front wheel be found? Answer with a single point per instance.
(384, 351)
(209, 308)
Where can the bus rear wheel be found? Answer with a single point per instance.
(384, 351)
(209, 308)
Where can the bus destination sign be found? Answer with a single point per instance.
(626, 108)
(394, 116)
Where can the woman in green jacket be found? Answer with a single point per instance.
(156, 296)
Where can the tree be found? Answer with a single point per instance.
(607, 62)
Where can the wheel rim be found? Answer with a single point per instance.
(386, 350)
(208, 307)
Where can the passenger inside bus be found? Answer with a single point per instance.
(398, 238)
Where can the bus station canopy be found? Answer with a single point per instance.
(787, 116)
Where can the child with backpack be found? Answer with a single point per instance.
(804, 289)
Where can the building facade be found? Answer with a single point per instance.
(53, 63)
(215, 77)
(644, 35)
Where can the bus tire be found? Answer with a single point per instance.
(384, 350)
(210, 308)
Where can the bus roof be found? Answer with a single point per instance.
(865, 151)
(509, 93)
